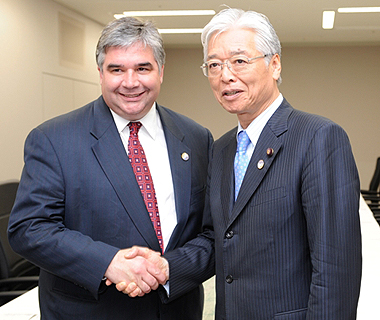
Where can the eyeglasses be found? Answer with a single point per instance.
(236, 64)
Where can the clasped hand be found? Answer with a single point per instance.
(137, 271)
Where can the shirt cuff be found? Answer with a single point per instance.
(166, 287)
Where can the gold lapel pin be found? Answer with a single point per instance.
(185, 156)
(270, 152)
(260, 164)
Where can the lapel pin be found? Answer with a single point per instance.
(270, 152)
(185, 156)
(260, 164)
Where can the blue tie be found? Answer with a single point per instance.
(241, 160)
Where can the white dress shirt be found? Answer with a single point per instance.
(257, 125)
(152, 139)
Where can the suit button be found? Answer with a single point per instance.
(229, 279)
(229, 234)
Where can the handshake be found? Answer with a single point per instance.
(137, 271)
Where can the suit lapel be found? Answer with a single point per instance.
(227, 177)
(261, 161)
(113, 159)
(255, 174)
(181, 172)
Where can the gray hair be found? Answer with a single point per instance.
(266, 39)
(126, 32)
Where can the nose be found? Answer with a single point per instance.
(227, 74)
(130, 79)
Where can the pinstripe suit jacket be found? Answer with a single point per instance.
(78, 203)
(290, 246)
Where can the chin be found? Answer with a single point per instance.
(230, 109)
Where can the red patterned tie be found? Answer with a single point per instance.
(144, 179)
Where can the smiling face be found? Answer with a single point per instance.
(248, 94)
(130, 80)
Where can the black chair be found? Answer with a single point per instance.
(17, 275)
(376, 213)
(372, 195)
(374, 184)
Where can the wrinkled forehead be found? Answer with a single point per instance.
(232, 42)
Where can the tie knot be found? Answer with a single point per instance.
(134, 127)
(243, 141)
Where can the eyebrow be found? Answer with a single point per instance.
(232, 53)
(142, 64)
(114, 65)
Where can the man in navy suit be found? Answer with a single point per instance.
(286, 240)
(79, 203)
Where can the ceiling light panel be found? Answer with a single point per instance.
(359, 10)
(169, 13)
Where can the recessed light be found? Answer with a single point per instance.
(328, 19)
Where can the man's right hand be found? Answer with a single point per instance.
(138, 268)
(133, 289)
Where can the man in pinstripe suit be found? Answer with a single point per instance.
(288, 244)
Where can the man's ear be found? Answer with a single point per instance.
(100, 75)
(275, 65)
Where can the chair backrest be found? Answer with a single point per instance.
(375, 181)
(11, 264)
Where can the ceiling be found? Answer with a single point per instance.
(297, 22)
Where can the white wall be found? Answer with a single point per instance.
(38, 81)
(341, 83)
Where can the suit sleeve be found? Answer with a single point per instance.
(330, 196)
(37, 230)
(194, 263)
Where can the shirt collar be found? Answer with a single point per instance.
(149, 121)
(257, 125)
